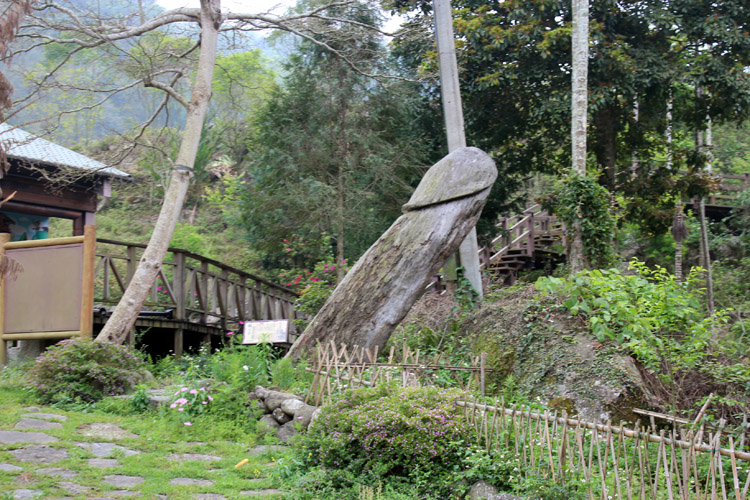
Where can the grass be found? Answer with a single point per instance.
(158, 437)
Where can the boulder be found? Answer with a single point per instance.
(280, 416)
(314, 416)
(484, 490)
(274, 399)
(270, 422)
(286, 431)
(260, 391)
(290, 406)
(303, 415)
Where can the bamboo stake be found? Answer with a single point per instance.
(735, 477)
(658, 464)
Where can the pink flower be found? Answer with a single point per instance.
(230, 333)
(203, 388)
(242, 322)
(184, 389)
(210, 398)
(173, 405)
(188, 424)
(204, 402)
(193, 391)
(180, 409)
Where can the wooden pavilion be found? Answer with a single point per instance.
(52, 297)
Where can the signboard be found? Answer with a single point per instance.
(23, 227)
(273, 331)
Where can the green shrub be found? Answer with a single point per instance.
(84, 371)
(410, 438)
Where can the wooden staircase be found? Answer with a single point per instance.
(526, 241)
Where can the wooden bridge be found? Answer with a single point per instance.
(194, 298)
(535, 239)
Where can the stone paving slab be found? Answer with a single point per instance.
(31, 408)
(26, 494)
(105, 430)
(209, 496)
(106, 449)
(35, 423)
(266, 448)
(269, 491)
(194, 457)
(12, 437)
(124, 493)
(46, 416)
(9, 468)
(122, 481)
(40, 453)
(187, 481)
(73, 488)
(58, 471)
(103, 463)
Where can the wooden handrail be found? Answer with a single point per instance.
(202, 258)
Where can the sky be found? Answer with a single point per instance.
(257, 6)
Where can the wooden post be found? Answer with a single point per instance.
(4, 238)
(178, 343)
(131, 263)
(481, 372)
(87, 295)
(178, 284)
(454, 124)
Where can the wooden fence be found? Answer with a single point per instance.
(342, 368)
(192, 288)
(615, 462)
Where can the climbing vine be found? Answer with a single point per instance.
(581, 199)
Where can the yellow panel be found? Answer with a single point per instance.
(46, 296)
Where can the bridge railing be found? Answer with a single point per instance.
(520, 232)
(191, 287)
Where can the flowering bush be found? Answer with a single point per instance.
(190, 403)
(81, 370)
(411, 436)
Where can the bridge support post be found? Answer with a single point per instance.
(178, 342)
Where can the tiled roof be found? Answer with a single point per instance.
(25, 146)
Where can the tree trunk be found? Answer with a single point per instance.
(340, 229)
(579, 112)
(386, 281)
(125, 314)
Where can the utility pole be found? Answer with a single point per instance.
(454, 124)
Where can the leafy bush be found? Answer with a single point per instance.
(81, 370)
(411, 438)
(687, 355)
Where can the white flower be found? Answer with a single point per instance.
(245, 367)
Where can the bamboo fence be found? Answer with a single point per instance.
(614, 462)
(340, 368)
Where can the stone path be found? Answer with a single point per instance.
(31, 447)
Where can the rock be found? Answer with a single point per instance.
(187, 481)
(209, 496)
(40, 454)
(103, 463)
(193, 457)
(304, 415)
(286, 431)
(484, 490)
(280, 416)
(58, 471)
(33, 423)
(266, 448)
(73, 488)
(378, 292)
(121, 481)
(260, 391)
(25, 494)
(104, 430)
(274, 399)
(314, 416)
(250, 493)
(9, 468)
(290, 406)
(105, 449)
(12, 437)
(269, 422)
(46, 416)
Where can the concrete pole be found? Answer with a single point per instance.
(454, 123)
